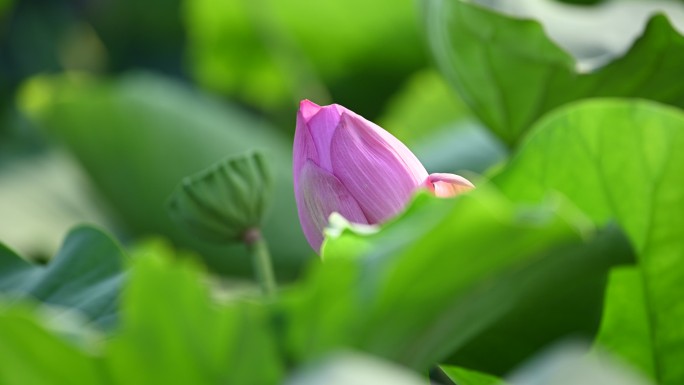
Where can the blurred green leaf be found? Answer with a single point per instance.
(510, 73)
(4, 5)
(139, 135)
(430, 281)
(424, 105)
(139, 34)
(462, 376)
(625, 326)
(85, 275)
(594, 36)
(272, 53)
(620, 160)
(225, 201)
(171, 332)
(31, 354)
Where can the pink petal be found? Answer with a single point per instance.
(307, 109)
(379, 171)
(304, 147)
(318, 195)
(447, 185)
(322, 127)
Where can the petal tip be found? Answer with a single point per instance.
(448, 185)
(307, 108)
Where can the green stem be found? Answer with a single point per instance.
(263, 268)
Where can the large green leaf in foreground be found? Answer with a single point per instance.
(445, 273)
(622, 161)
(171, 332)
(625, 328)
(85, 275)
(423, 286)
(139, 135)
(511, 73)
(32, 354)
(382, 295)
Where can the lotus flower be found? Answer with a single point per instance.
(344, 163)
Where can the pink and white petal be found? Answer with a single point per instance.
(379, 171)
(318, 195)
(447, 185)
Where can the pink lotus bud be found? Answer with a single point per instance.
(344, 163)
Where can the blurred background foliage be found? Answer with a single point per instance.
(105, 105)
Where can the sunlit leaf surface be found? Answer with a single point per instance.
(619, 160)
